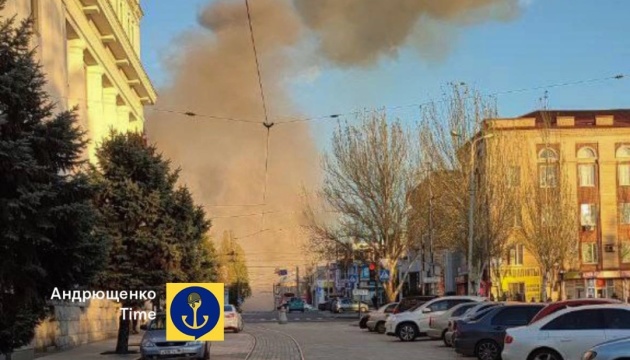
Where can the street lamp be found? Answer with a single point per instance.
(471, 211)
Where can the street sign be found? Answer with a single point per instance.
(360, 292)
(352, 279)
(384, 275)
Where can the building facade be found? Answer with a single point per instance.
(592, 148)
(90, 53)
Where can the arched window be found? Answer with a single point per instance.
(547, 154)
(623, 152)
(586, 153)
(623, 168)
(587, 168)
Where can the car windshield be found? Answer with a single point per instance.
(159, 323)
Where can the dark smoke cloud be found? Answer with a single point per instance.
(359, 32)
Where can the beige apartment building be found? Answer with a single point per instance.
(90, 53)
(592, 148)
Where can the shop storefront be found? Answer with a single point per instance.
(597, 284)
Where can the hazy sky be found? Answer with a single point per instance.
(552, 41)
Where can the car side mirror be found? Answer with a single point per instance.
(143, 327)
(426, 310)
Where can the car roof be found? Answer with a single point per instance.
(559, 313)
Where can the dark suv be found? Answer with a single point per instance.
(484, 338)
(411, 302)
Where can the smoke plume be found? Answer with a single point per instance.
(359, 32)
(213, 72)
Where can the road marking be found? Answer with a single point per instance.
(308, 318)
(297, 318)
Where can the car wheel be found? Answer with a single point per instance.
(406, 332)
(447, 343)
(380, 327)
(488, 350)
(544, 354)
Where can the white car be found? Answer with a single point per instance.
(568, 333)
(232, 319)
(409, 325)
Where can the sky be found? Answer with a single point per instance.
(551, 42)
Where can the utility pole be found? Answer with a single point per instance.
(431, 257)
(297, 281)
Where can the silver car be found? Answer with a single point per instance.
(155, 346)
(438, 325)
(610, 350)
(376, 319)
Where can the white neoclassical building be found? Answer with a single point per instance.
(90, 52)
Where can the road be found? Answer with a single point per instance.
(314, 336)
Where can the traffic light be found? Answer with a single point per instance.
(372, 268)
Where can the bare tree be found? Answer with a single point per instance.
(369, 173)
(550, 225)
(454, 142)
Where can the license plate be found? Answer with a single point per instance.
(170, 352)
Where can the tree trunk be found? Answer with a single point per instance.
(122, 345)
(543, 290)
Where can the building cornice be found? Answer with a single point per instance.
(121, 43)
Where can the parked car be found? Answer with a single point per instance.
(484, 338)
(438, 325)
(232, 319)
(412, 301)
(407, 326)
(154, 344)
(559, 305)
(568, 333)
(295, 304)
(309, 307)
(325, 306)
(617, 349)
(473, 314)
(349, 305)
(376, 318)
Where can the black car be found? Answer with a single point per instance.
(484, 337)
(412, 302)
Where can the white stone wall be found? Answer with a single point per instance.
(75, 324)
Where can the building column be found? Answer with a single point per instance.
(94, 108)
(123, 118)
(77, 80)
(110, 111)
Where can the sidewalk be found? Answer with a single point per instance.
(235, 346)
(95, 350)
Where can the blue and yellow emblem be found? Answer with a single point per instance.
(194, 311)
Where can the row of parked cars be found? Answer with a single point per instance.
(587, 329)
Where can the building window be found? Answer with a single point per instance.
(586, 174)
(548, 176)
(624, 213)
(623, 152)
(588, 215)
(516, 255)
(547, 216)
(548, 155)
(589, 253)
(625, 252)
(624, 174)
(518, 218)
(514, 176)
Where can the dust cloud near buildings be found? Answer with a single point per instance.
(222, 150)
